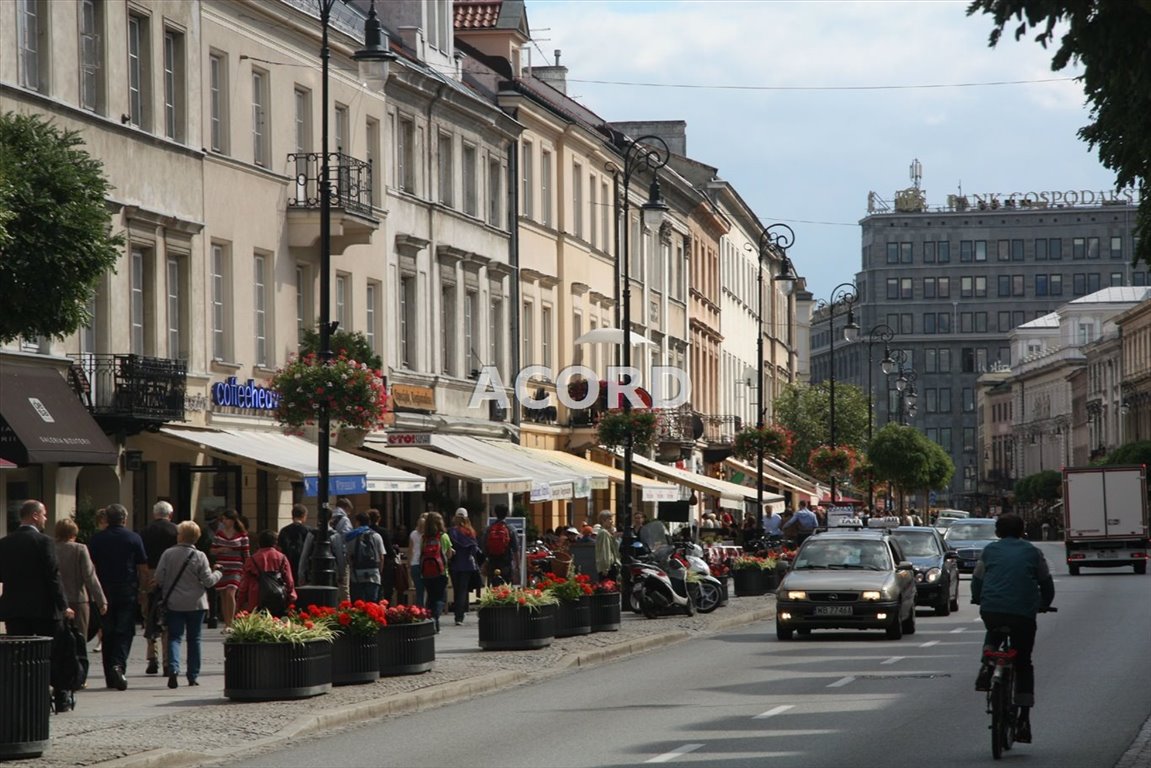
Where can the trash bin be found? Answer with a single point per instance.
(25, 695)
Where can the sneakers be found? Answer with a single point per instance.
(153, 667)
(173, 682)
(983, 680)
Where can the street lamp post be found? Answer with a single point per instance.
(648, 153)
(908, 395)
(843, 295)
(322, 584)
(775, 238)
(884, 333)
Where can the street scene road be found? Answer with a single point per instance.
(836, 698)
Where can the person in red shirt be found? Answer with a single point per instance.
(267, 558)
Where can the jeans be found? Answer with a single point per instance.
(437, 592)
(119, 627)
(364, 590)
(418, 583)
(1021, 629)
(461, 581)
(181, 623)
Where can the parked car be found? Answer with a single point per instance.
(968, 538)
(936, 571)
(847, 579)
(941, 524)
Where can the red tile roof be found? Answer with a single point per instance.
(477, 14)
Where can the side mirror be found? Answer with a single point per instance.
(904, 565)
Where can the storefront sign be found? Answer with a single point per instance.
(412, 398)
(346, 485)
(409, 438)
(661, 493)
(231, 394)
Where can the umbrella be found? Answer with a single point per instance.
(612, 336)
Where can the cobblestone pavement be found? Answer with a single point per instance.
(1138, 755)
(150, 725)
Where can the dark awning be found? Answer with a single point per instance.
(43, 422)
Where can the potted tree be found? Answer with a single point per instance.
(605, 606)
(355, 656)
(753, 575)
(516, 618)
(573, 611)
(407, 643)
(268, 658)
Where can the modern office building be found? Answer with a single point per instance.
(953, 281)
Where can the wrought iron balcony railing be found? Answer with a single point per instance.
(131, 387)
(349, 182)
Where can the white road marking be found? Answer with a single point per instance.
(668, 756)
(957, 630)
(929, 643)
(893, 659)
(774, 711)
(842, 682)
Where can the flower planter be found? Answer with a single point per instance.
(605, 612)
(355, 659)
(273, 671)
(752, 582)
(512, 628)
(25, 695)
(406, 649)
(573, 617)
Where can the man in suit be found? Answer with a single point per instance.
(158, 537)
(32, 602)
(122, 566)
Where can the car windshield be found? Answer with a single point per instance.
(917, 544)
(862, 555)
(971, 531)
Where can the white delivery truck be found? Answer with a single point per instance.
(1105, 517)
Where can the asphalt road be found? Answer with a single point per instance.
(834, 699)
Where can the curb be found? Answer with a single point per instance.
(420, 699)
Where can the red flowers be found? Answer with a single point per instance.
(607, 586)
(405, 614)
(360, 618)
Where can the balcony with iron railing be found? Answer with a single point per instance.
(130, 392)
(349, 194)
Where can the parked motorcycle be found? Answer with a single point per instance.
(707, 591)
(655, 592)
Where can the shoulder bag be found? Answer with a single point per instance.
(158, 601)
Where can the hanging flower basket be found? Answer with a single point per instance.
(771, 440)
(827, 461)
(642, 424)
(354, 393)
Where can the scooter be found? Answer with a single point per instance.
(706, 590)
(654, 591)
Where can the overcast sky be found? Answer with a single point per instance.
(798, 148)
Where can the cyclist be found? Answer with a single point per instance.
(1010, 585)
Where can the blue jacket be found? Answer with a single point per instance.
(1012, 577)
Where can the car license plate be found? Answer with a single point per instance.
(1108, 554)
(833, 610)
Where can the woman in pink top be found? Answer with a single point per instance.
(230, 550)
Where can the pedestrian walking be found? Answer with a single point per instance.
(365, 552)
(463, 563)
(185, 576)
(292, 538)
(267, 571)
(159, 536)
(78, 576)
(121, 565)
(230, 546)
(388, 569)
(435, 554)
(501, 549)
(415, 542)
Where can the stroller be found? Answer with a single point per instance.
(69, 666)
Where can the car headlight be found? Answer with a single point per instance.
(932, 575)
(796, 594)
(872, 594)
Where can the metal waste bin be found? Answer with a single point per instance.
(25, 695)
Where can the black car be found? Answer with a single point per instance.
(847, 579)
(936, 571)
(968, 538)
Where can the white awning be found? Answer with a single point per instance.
(491, 479)
(731, 495)
(772, 476)
(297, 456)
(549, 482)
(652, 490)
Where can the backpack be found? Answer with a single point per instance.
(364, 555)
(432, 558)
(499, 539)
(273, 593)
(291, 543)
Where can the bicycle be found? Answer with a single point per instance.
(1001, 694)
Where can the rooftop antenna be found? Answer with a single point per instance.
(916, 172)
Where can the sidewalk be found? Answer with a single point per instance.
(150, 725)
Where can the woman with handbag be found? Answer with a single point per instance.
(184, 578)
(77, 575)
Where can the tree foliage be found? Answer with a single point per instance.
(1110, 39)
(1131, 453)
(55, 241)
(1042, 486)
(907, 460)
(805, 410)
(351, 344)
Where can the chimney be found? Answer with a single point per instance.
(555, 76)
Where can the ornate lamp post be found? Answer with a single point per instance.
(884, 333)
(843, 295)
(774, 239)
(648, 153)
(908, 396)
(374, 59)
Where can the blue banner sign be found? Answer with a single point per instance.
(340, 485)
(234, 395)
